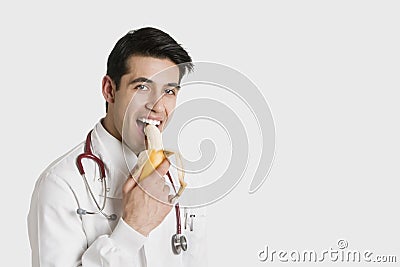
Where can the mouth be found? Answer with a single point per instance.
(149, 121)
(142, 122)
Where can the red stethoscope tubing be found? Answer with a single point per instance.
(177, 210)
(89, 155)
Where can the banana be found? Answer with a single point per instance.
(151, 158)
(155, 150)
(154, 138)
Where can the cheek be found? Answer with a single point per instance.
(125, 102)
(135, 103)
(121, 105)
(170, 105)
(121, 108)
(133, 107)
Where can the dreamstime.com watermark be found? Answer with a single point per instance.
(339, 254)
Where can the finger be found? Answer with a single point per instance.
(160, 181)
(164, 195)
(129, 184)
(172, 199)
(137, 170)
(166, 188)
(162, 169)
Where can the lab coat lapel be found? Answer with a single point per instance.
(118, 158)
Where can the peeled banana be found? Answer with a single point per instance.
(151, 158)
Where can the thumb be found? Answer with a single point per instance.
(172, 199)
(162, 169)
(137, 170)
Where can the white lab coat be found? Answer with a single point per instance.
(60, 237)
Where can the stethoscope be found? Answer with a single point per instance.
(178, 240)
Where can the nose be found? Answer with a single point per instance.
(155, 103)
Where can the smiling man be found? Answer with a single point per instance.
(115, 221)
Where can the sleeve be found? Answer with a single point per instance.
(57, 237)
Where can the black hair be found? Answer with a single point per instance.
(146, 42)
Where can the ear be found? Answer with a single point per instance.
(108, 89)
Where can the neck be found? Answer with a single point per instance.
(110, 128)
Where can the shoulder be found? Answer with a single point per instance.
(60, 178)
(63, 167)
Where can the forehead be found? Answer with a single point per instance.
(152, 68)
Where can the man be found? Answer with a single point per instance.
(135, 227)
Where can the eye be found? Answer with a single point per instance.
(142, 87)
(170, 91)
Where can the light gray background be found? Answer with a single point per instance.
(329, 70)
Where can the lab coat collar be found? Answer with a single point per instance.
(117, 157)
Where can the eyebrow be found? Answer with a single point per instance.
(141, 80)
(146, 80)
(177, 86)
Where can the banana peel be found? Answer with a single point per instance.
(150, 159)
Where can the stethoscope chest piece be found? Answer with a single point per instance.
(179, 243)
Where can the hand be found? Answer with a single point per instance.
(146, 205)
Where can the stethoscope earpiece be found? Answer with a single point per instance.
(81, 211)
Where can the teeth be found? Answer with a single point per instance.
(152, 122)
